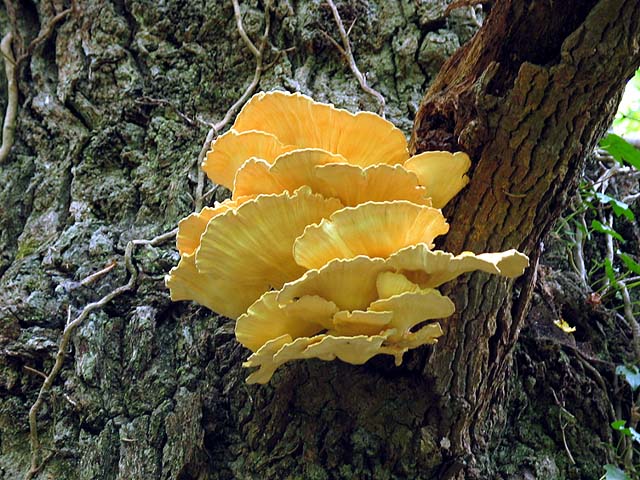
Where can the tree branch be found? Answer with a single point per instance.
(346, 52)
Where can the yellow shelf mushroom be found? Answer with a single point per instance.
(375, 229)
(325, 248)
(373, 298)
(329, 174)
(246, 251)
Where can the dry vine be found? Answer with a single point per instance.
(37, 463)
(258, 53)
(71, 325)
(46, 32)
(345, 50)
(9, 126)
(11, 68)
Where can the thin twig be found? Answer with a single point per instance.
(631, 198)
(563, 425)
(71, 325)
(258, 53)
(33, 370)
(43, 35)
(97, 275)
(578, 252)
(345, 50)
(633, 322)
(11, 66)
(9, 126)
(199, 199)
(145, 100)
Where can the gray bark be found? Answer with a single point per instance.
(155, 390)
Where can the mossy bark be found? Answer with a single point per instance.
(108, 132)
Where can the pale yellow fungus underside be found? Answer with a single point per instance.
(350, 284)
(250, 247)
(411, 308)
(363, 138)
(374, 229)
(289, 172)
(443, 174)
(389, 284)
(354, 349)
(185, 282)
(360, 322)
(432, 268)
(266, 319)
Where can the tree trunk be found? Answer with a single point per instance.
(529, 97)
(113, 95)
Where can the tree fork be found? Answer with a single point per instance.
(528, 98)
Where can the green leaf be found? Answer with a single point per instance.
(630, 263)
(580, 226)
(614, 473)
(621, 150)
(631, 375)
(619, 208)
(610, 272)
(599, 227)
(619, 425)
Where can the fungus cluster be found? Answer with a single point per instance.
(325, 249)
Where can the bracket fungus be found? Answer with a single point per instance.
(325, 249)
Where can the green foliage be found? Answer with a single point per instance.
(597, 226)
(620, 426)
(601, 233)
(619, 207)
(621, 150)
(630, 263)
(626, 121)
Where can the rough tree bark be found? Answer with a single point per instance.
(529, 96)
(109, 126)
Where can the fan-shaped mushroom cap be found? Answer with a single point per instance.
(249, 249)
(295, 119)
(389, 284)
(411, 308)
(325, 174)
(374, 229)
(350, 284)
(266, 319)
(191, 228)
(431, 268)
(442, 173)
(357, 349)
(289, 171)
(427, 335)
(229, 151)
(185, 282)
(354, 185)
